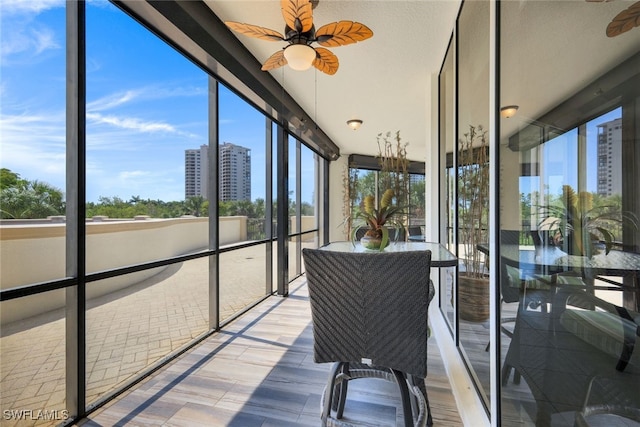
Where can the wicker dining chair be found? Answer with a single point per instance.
(369, 313)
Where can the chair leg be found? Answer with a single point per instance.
(406, 398)
(506, 371)
(426, 399)
(420, 383)
(329, 392)
(342, 393)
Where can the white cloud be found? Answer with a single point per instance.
(148, 93)
(29, 42)
(22, 128)
(112, 101)
(44, 160)
(128, 175)
(44, 39)
(21, 34)
(131, 123)
(10, 7)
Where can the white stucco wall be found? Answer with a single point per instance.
(36, 253)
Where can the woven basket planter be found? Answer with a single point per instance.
(473, 298)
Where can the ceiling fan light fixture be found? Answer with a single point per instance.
(299, 56)
(509, 111)
(354, 123)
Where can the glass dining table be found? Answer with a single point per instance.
(551, 260)
(440, 255)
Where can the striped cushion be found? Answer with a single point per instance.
(601, 329)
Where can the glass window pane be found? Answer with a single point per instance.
(416, 202)
(33, 362)
(473, 188)
(362, 183)
(242, 164)
(308, 183)
(447, 181)
(571, 256)
(293, 194)
(146, 106)
(243, 278)
(136, 319)
(33, 149)
(295, 256)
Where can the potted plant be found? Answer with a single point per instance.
(376, 221)
(473, 223)
(393, 174)
(580, 227)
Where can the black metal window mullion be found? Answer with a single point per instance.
(282, 211)
(268, 217)
(325, 201)
(75, 240)
(298, 255)
(213, 189)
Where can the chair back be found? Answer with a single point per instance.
(370, 306)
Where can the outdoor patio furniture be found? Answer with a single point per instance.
(369, 312)
(559, 352)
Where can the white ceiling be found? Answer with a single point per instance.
(384, 81)
(551, 50)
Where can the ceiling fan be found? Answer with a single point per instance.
(624, 21)
(300, 33)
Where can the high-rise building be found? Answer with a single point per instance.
(196, 164)
(610, 158)
(234, 172)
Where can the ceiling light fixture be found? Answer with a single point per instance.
(354, 123)
(509, 111)
(300, 57)
(300, 33)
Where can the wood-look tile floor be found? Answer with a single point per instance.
(259, 371)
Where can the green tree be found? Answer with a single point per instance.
(194, 205)
(8, 179)
(29, 199)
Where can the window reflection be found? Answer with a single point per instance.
(570, 260)
(471, 189)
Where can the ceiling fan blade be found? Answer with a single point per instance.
(274, 61)
(326, 61)
(298, 14)
(624, 21)
(255, 31)
(342, 33)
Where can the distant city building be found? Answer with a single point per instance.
(234, 172)
(610, 158)
(196, 162)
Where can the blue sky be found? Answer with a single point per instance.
(560, 159)
(146, 104)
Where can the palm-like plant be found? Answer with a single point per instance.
(580, 223)
(376, 219)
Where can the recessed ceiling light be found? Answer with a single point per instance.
(509, 111)
(354, 123)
